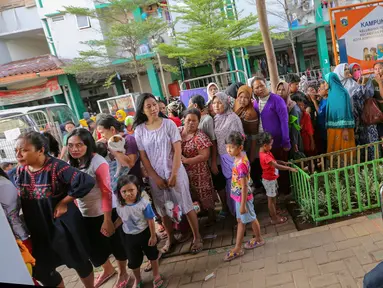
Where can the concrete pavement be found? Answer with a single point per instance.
(335, 255)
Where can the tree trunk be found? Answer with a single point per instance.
(291, 36)
(269, 48)
(137, 74)
(215, 72)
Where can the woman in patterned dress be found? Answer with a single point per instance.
(195, 155)
(47, 188)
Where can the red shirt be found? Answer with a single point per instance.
(268, 171)
(176, 120)
(307, 130)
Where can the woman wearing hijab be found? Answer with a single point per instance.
(345, 77)
(339, 117)
(243, 107)
(294, 117)
(225, 122)
(211, 89)
(355, 71)
(120, 116)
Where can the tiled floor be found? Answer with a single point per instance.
(335, 255)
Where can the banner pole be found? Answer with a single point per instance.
(335, 50)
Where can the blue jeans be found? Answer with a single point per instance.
(374, 278)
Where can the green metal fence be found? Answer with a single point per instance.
(351, 185)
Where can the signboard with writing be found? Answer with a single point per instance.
(48, 89)
(360, 36)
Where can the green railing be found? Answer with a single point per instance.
(350, 186)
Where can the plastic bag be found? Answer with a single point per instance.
(173, 210)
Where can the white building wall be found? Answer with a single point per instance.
(66, 35)
(19, 19)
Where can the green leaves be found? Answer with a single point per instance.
(121, 37)
(210, 32)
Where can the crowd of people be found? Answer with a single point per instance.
(172, 163)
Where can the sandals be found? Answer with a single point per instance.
(139, 284)
(252, 243)
(159, 282)
(101, 280)
(123, 284)
(281, 220)
(196, 247)
(233, 255)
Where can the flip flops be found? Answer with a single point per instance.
(233, 255)
(252, 243)
(101, 280)
(159, 282)
(281, 220)
(196, 247)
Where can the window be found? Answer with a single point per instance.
(58, 18)
(82, 22)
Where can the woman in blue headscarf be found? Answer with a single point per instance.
(340, 121)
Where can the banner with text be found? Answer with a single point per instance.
(360, 36)
(48, 89)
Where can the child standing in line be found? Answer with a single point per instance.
(137, 217)
(307, 129)
(241, 193)
(270, 174)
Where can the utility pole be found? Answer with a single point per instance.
(269, 48)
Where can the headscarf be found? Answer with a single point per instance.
(129, 120)
(339, 112)
(352, 67)
(225, 99)
(226, 122)
(248, 115)
(123, 115)
(348, 83)
(210, 97)
(289, 103)
(232, 90)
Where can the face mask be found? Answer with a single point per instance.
(357, 74)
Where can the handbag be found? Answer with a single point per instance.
(371, 112)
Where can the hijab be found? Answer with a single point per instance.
(357, 74)
(226, 122)
(348, 83)
(210, 97)
(248, 115)
(123, 115)
(289, 103)
(225, 99)
(339, 112)
(232, 90)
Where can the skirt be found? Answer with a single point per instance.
(335, 141)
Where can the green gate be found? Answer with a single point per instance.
(347, 182)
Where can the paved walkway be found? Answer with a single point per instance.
(335, 255)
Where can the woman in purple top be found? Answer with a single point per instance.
(159, 143)
(273, 119)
